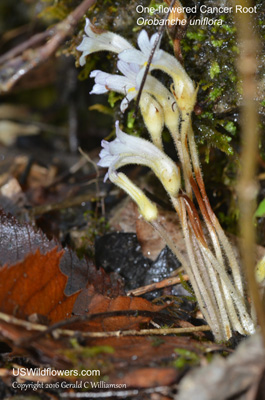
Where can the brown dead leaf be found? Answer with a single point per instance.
(36, 285)
(229, 378)
(127, 219)
(34, 278)
(44, 350)
(149, 377)
(91, 302)
(18, 240)
(142, 351)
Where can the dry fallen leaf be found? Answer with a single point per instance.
(18, 240)
(227, 378)
(91, 302)
(127, 219)
(36, 285)
(149, 377)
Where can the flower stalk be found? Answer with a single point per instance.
(220, 295)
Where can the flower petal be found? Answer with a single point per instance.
(98, 89)
(129, 97)
(144, 42)
(119, 84)
(133, 56)
(100, 41)
(129, 70)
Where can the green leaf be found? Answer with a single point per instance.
(260, 212)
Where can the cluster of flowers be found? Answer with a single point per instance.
(157, 104)
(220, 295)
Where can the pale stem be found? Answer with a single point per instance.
(219, 297)
(223, 239)
(236, 296)
(212, 225)
(159, 228)
(198, 285)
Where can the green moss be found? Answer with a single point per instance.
(88, 67)
(185, 358)
(215, 69)
(215, 93)
(196, 35)
(230, 127)
(217, 43)
(157, 341)
(212, 137)
(229, 29)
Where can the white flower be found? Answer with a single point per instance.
(127, 149)
(128, 86)
(183, 85)
(124, 84)
(98, 40)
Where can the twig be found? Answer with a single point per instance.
(67, 332)
(133, 332)
(71, 202)
(159, 285)
(247, 188)
(26, 62)
(20, 322)
(71, 171)
(39, 37)
(88, 159)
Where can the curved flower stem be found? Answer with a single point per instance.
(226, 296)
(213, 219)
(237, 298)
(204, 295)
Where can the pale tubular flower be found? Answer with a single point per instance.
(153, 117)
(99, 40)
(127, 149)
(146, 207)
(127, 85)
(183, 86)
(151, 110)
(124, 84)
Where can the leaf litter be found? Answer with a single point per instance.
(42, 284)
